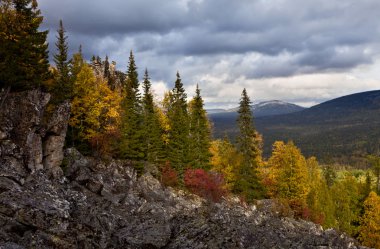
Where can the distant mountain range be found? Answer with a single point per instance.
(341, 130)
(266, 108)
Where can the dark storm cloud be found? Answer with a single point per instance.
(316, 36)
(114, 16)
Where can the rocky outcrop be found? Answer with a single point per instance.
(54, 139)
(27, 143)
(105, 205)
(21, 127)
(95, 204)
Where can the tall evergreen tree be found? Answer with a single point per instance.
(76, 64)
(23, 51)
(153, 143)
(248, 183)
(107, 72)
(132, 140)
(178, 146)
(63, 87)
(199, 155)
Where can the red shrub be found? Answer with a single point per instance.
(319, 218)
(206, 184)
(306, 213)
(169, 176)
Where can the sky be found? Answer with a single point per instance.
(303, 52)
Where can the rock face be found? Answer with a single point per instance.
(27, 143)
(54, 139)
(96, 204)
(20, 126)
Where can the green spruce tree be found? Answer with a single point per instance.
(108, 76)
(153, 143)
(178, 146)
(248, 183)
(132, 141)
(63, 87)
(75, 67)
(23, 51)
(107, 73)
(199, 155)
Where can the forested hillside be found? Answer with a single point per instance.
(343, 130)
(114, 116)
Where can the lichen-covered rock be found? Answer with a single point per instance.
(54, 139)
(105, 205)
(27, 142)
(21, 124)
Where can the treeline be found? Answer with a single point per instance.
(112, 117)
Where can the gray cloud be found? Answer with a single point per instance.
(207, 38)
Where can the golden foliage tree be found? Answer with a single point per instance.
(95, 108)
(226, 160)
(288, 175)
(370, 222)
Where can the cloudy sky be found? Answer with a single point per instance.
(299, 51)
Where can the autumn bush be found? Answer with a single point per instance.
(307, 213)
(102, 144)
(282, 208)
(169, 177)
(206, 184)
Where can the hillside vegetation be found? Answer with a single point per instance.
(343, 130)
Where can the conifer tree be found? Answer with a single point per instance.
(178, 146)
(153, 143)
(63, 87)
(199, 155)
(107, 73)
(132, 141)
(248, 184)
(23, 51)
(75, 67)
